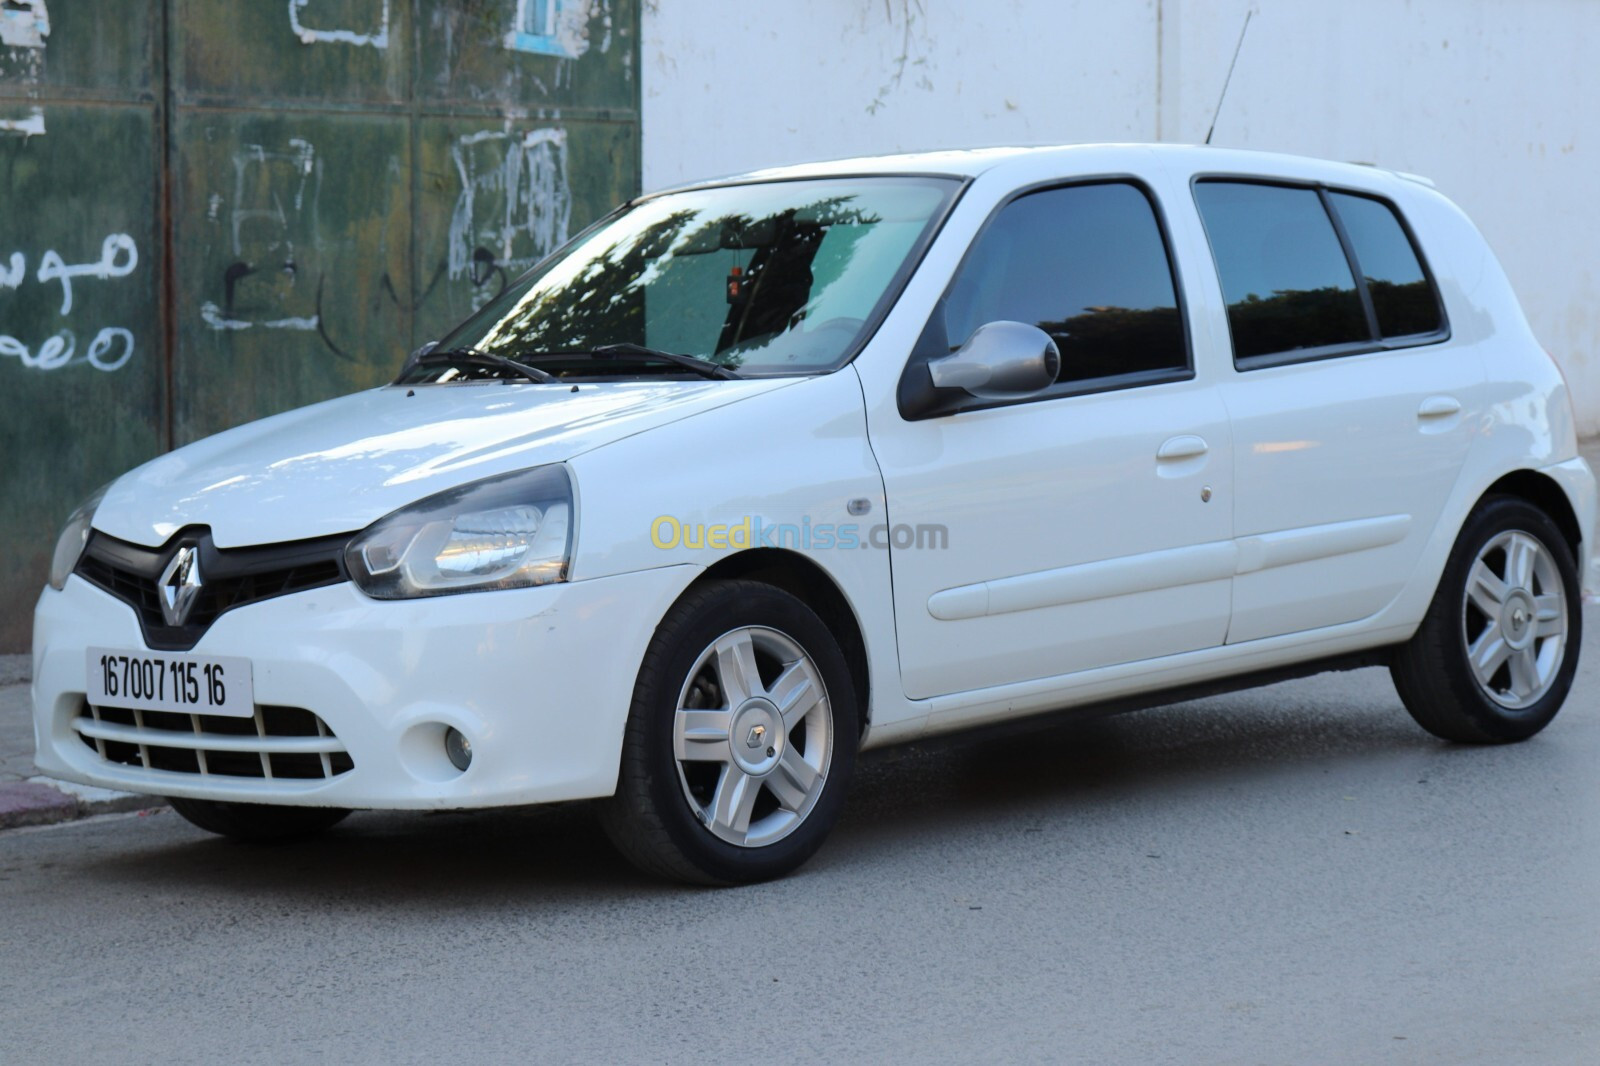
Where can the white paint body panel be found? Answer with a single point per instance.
(334, 467)
(1067, 549)
(541, 729)
(1084, 563)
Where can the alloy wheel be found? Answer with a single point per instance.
(1514, 619)
(753, 736)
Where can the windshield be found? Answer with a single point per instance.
(774, 278)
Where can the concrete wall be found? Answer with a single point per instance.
(1493, 99)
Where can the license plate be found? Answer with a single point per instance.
(161, 681)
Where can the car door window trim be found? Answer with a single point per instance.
(925, 350)
(1377, 342)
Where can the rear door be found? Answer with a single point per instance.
(1350, 409)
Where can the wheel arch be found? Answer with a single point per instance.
(1545, 493)
(808, 582)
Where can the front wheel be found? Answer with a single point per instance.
(740, 741)
(258, 822)
(1495, 655)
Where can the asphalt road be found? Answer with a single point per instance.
(1293, 875)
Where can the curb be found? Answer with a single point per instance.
(46, 801)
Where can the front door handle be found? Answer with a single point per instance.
(1439, 407)
(1186, 447)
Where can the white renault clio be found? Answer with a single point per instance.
(753, 475)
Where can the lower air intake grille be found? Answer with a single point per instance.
(279, 743)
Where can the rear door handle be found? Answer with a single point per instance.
(1439, 407)
(1186, 447)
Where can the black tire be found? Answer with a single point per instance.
(257, 822)
(654, 818)
(1432, 671)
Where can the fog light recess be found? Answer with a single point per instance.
(458, 748)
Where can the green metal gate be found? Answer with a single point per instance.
(214, 210)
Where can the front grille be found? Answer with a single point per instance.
(278, 743)
(231, 578)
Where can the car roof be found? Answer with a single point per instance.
(1081, 158)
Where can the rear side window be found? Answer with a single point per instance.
(1284, 274)
(1401, 296)
(1307, 272)
(1088, 265)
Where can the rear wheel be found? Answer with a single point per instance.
(1495, 656)
(257, 821)
(740, 741)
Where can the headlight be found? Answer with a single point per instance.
(69, 546)
(504, 532)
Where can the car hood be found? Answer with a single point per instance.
(335, 467)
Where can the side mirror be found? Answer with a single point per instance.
(1001, 360)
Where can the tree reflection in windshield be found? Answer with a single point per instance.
(777, 276)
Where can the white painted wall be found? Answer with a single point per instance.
(1494, 99)
(729, 86)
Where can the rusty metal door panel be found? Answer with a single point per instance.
(336, 181)
(70, 49)
(495, 197)
(329, 52)
(291, 230)
(82, 375)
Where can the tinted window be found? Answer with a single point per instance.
(1401, 295)
(1086, 264)
(1284, 274)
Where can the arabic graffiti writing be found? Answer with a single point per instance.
(112, 346)
(118, 257)
(110, 350)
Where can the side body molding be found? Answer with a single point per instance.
(1194, 565)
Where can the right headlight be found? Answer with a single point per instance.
(504, 532)
(73, 539)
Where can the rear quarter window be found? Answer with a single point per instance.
(1402, 296)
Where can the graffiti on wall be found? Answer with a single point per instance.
(112, 346)
(273, 232)
(24, 25)
(514, 208)
(359, 22)
(32, 125)
(558, 27)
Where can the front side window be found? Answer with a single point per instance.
(1088, 265)
(771, 278)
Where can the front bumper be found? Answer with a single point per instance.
(539, 680)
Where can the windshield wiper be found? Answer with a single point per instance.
(688, 362)
(479, 357)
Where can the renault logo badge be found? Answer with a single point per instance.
(180, 584)
(757, 733)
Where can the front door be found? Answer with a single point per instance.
(1089, 525)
